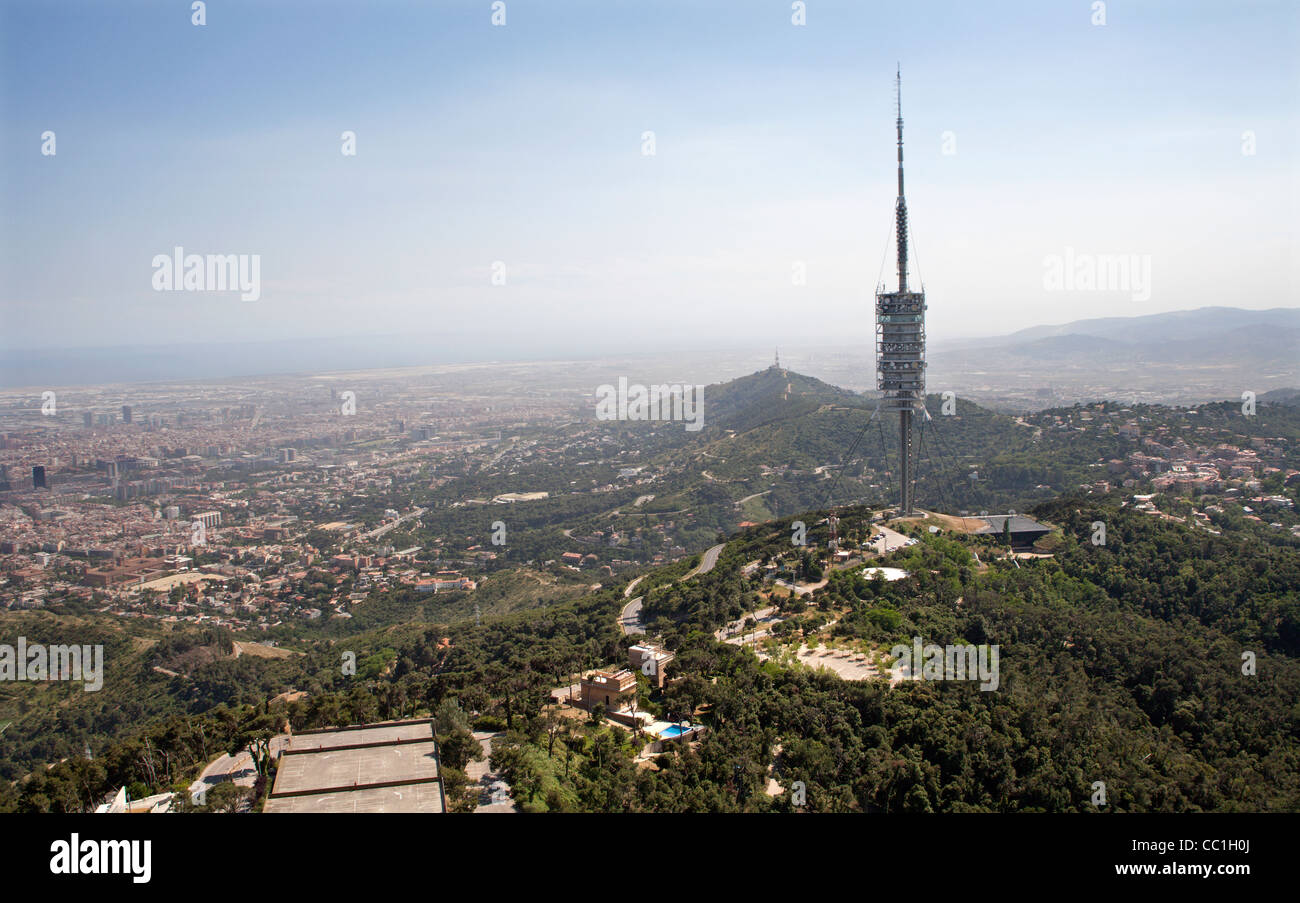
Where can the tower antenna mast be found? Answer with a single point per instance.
(900, 336)
(900, 206)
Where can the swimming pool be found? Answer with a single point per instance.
(674, 731)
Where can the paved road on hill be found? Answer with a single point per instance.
(380, 531)
(707, 563)
(737, 627)
(891, 540)
(629, 619)
(237, 768)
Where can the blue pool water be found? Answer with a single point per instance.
(674, 731)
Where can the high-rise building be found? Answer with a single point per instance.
(126, 413)
(209, 519)
(88, 419)
(900, 341)
(38, 477)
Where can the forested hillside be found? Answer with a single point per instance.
(1121, 664)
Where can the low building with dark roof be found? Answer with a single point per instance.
(1024, 531)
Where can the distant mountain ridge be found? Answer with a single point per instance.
(1178, 357)
(1232, 345)
(1181, 325)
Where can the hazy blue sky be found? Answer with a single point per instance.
(522, 144)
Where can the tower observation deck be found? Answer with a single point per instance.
(900, 341)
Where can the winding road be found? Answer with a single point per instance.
(629, 619)
(707, 563)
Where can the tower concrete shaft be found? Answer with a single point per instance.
(900, 340)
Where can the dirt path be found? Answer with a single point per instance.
(494, 792)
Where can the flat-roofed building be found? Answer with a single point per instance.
(1024, 531)
(444, 584)
(209, 519)
(650, 660)
(130, 570)
(608, 688)
(386, 767)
